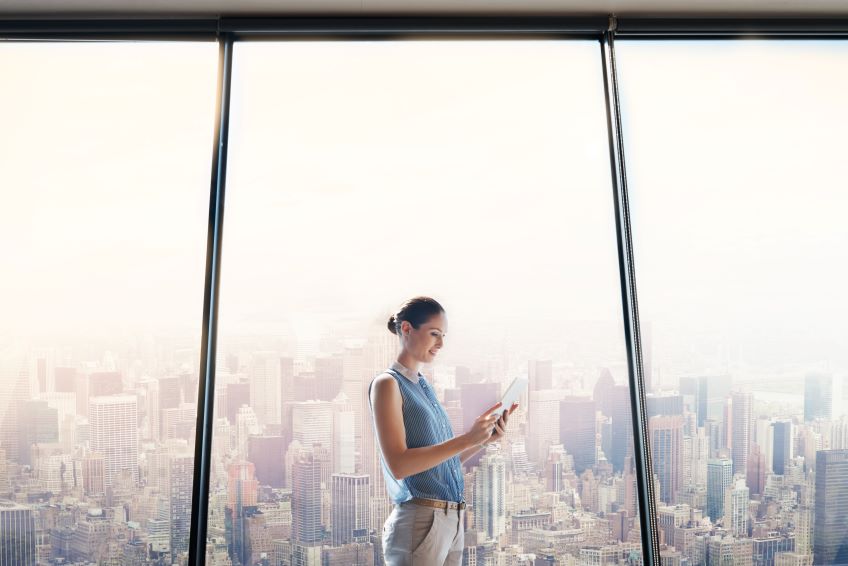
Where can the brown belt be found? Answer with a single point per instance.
(437, 503)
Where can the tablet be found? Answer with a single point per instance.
(512, 394)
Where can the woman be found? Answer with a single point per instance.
(421, 458)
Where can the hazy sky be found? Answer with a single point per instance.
(477, 172)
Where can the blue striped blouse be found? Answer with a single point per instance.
(426, 423)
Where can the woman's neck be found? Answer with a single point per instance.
(406, 360)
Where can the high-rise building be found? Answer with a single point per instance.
(267, 454)
(736, 500)
(306, 499)
(543, 424)
(17, 535)
(39, 424)
(621, 443)
(664, 404)
(490, 493)
(831, 518)
(577, 430)
(719, 478)
(238, 394)
(742, 421)
(312, 423)
(351, 508)
(782, 453)
(822, 396)
(113, 432)
(265, 387)
(180, 476)
(329, 375)
(540, 375)
(757, 470)
(709, 393)
(666, 433)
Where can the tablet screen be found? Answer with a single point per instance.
(512, 394)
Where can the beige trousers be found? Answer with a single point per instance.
(417, 535)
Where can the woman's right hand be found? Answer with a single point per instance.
(482, 428)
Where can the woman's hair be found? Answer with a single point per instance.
(416, 311)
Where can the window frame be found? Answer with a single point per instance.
(226, 31)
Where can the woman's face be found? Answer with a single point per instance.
(425, 342)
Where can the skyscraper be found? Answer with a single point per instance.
(742, 421)
(540, 375)
(490, 493)
(306, 499)
(622, 427)
(17, 535)
(719, 478)
(351, 508)
(831, 518)
(666, 435)
(113, 430)
(782, 445)
(265, 395)
(709, 393)
(180, 476)
(821, 396)
(577, 430)
(736, 509)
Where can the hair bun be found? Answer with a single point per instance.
(392, 324)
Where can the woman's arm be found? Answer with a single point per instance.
(387, 404)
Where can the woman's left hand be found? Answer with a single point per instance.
(499, 430)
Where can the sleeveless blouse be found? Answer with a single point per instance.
(426, 423)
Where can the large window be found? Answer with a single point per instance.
(735, 157)
(104, 182)
(362, 174)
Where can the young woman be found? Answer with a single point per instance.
(421, 458)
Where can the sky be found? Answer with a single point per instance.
(477, 172)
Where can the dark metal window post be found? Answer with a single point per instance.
(206, 385)
(629, 306)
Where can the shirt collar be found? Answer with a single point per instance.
(406, 372)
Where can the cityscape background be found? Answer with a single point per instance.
(350, 189)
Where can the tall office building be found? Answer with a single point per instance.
(268, 454)
(577, 431)
(17, 535)
(709, 393)
(490, 493)
(329, 375)
(351, 502)
(664, 404)
(306, 499)
(312, 423)
(265, 387)
(831, 518)
(180, 477)
(39, 423)
(621, 443)
(344, 442)
(543, 424)
(782, 452)
(719, 478)
(113, 432)
(540, 375)
(666, 433)
(822, 397)
(736, 500)
(742, 421)
(238, 394)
